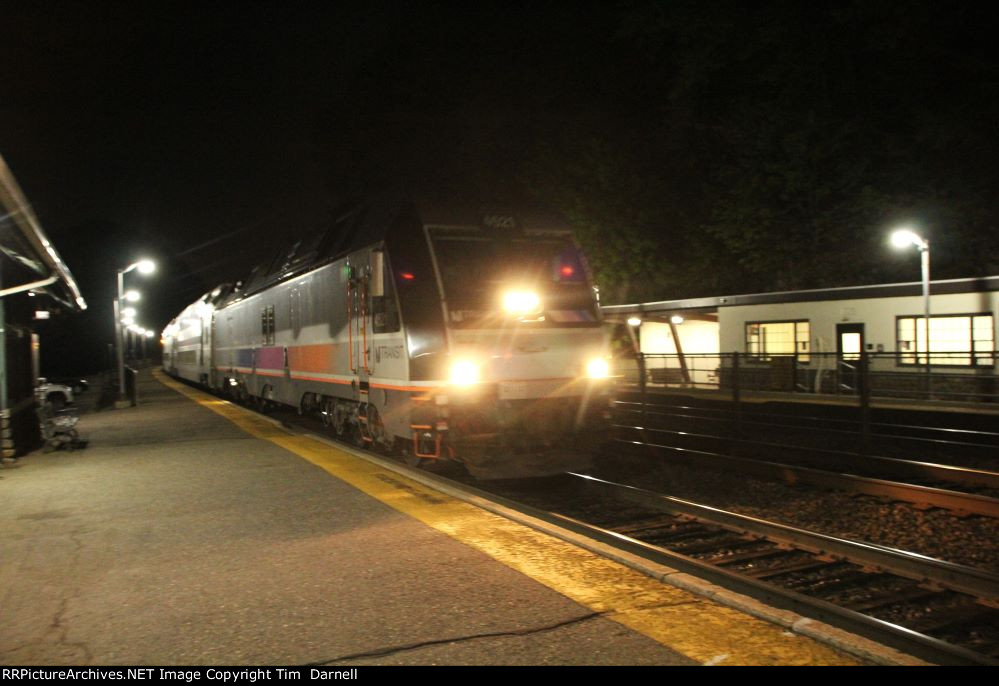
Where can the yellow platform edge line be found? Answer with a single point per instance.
(695, 626)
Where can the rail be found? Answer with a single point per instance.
(929, 496)
(977, 582)
(828, 425)
(829, 459)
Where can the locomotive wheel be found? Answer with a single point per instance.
(376, 429)
(340, 419)
(326, 410)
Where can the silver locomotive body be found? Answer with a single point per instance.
(481, 344)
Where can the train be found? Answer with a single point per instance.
(437, 335)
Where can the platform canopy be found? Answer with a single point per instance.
(28, 260)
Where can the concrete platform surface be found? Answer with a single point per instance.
(181, 537)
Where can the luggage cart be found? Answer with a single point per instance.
(58, 428)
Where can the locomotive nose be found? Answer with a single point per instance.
(465, 372)
(521, 302)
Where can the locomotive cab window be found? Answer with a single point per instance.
(384, 311)
(536, 280)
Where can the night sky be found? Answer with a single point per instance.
(691, 133)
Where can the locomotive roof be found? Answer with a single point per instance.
(356, 225)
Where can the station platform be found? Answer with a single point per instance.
(193, 531)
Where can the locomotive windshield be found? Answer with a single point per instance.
(534, 280)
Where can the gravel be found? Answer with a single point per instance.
(971, 540)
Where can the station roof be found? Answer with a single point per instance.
(31, 257)
(888, 290)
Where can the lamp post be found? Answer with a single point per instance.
(144, 267)
(904, 238)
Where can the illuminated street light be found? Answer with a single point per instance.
(144, 266)
(905, 238)
(634, 321)
(128, 312)
(676, 319)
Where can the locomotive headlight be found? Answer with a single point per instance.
(597, 368)
(521, 302)
(464, 373)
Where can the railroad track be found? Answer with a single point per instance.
(938, 611)
(877, 476)
(923, 496)
(892, 468)
(889, 439)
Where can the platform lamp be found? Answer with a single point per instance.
(144, 267)
(905, 238)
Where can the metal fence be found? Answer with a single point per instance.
(951, 376)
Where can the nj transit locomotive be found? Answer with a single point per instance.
(472, 339)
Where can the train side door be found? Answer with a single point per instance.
(353, 318)
(358, 319)
(295, 322)
(201, 348)
(212, 357)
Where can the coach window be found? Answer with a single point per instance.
(767, 339)
(964, 340)
(384, 310)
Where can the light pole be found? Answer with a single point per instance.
(144, 267)
(904, 238)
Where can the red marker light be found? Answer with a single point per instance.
(407, 276)
(567, 270)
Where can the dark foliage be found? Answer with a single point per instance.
(770, 146)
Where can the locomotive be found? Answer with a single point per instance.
(450, 336)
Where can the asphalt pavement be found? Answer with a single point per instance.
(175, 537)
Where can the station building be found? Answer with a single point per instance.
(34, 284)
(806, 340)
